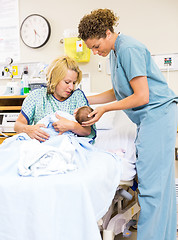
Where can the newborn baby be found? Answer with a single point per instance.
(80, 116)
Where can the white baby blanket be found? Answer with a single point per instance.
(37, 159)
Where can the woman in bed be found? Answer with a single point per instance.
(39, 208)
(142, 92)
(63, 75)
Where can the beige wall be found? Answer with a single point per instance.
(153, 22)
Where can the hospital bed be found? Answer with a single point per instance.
(72, 205)
(116, 133)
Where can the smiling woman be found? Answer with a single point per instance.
(63, 75)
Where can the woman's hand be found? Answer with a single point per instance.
(63, 125)
(35, 132)
(96, 114)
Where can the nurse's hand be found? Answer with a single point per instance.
(96, 114)
(35, 132)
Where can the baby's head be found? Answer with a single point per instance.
(82, 114)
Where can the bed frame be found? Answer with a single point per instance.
(122, 213)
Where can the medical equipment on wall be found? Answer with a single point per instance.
(35, 69)
(7, 121)
(85, 84)
(166, 60)
(25, 76)
(24, 85)
(12, 88)
(8, 67)
(40, 80)
(168, 64)
(75, 47)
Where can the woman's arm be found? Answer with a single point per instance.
(104, 97)
(64, 125)
(33, 131)
(139, 97)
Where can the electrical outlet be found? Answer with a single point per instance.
(166, 62)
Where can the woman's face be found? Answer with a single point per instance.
(65, 87)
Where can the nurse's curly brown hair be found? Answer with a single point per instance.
(95, 24)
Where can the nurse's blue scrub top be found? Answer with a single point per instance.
(132, 59)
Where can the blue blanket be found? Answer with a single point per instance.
(63, 206)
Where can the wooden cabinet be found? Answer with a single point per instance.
(10, 104)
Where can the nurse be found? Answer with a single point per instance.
(142, 92)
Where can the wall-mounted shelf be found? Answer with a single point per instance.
(13, 97)
(10, 108)
(11, 103)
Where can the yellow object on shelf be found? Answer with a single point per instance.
(76, 49)
(15, 70)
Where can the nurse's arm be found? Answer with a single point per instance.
(104, 97)
(139, 97)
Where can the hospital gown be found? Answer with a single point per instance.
(155, 141)
(39, 104)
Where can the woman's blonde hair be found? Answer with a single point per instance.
(58, 70)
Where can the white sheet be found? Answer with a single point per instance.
(120, 140)
(62, 206)
(37, 159)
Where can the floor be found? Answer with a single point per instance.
(132, 237)
(134, 232)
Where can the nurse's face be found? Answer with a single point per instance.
(101, 46)
(66, 86)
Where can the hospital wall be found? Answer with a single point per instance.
(154, 23)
